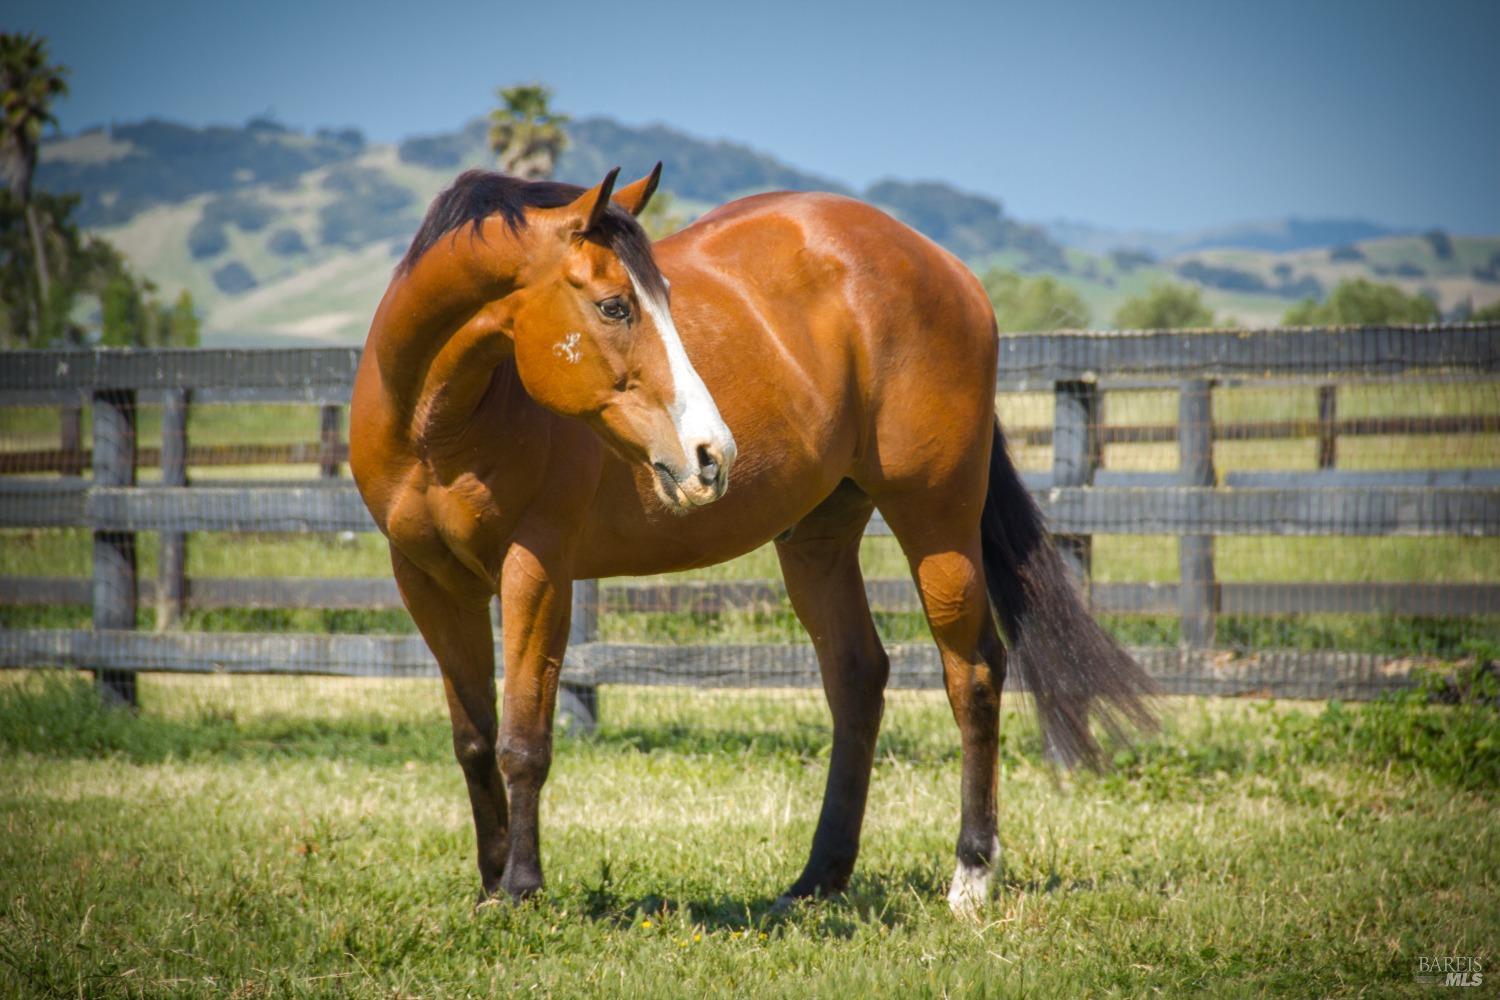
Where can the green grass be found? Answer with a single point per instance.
(305, 837)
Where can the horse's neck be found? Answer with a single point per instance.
(441, 331)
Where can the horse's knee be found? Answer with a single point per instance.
(475, 753)
(525, 763)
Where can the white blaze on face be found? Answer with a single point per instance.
(694, 414)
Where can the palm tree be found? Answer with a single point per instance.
(28, 84)
(525, 134)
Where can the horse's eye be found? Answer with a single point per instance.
(616, 309)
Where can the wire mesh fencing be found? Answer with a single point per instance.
(1299, 513)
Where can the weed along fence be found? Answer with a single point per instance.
(1298, 512)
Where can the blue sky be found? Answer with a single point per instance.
(1160, 114)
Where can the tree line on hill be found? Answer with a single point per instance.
(1045, 303)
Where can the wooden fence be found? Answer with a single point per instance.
(1079, 498)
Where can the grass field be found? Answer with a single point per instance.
(269, 838)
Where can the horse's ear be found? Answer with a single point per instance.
(586, 211)
(633, 198)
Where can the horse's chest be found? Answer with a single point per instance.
(432, 523)
(472, 522)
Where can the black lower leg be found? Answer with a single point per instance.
(476, 757)
(525, 771)
(856, 727)
(835, 845)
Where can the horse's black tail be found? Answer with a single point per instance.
(1067, 662)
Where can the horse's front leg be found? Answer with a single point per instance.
(456, 625)
(535, 601)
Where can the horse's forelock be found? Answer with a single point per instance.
(619, 231)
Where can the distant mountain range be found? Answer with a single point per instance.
(283, 235)
(1272, 236)
(136, 166)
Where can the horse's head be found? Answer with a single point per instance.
(594, 339)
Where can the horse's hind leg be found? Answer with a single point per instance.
(820, 564)
(943, 549)
(458, 632)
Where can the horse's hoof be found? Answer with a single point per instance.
(521, 889)
(970, 891)
(785, 903)
(806, 890)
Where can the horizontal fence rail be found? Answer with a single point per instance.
(716, 597)
(193, 369)
(1275, 430)
(1180, 354)
(307, 452)
(297, 453)
(93, 486)
(1042, 357)
(1277, 673)
(274, 508)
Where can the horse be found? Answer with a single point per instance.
(547, 396)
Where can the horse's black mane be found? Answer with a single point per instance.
(475, 195)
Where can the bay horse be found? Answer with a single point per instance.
(546, 396)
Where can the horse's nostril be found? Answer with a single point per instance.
(708, 466)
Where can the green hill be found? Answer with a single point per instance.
(289, 237)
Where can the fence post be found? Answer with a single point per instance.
(1076, 454)
(1197, 591)
(330, 427)
(579, 703)
(1327, 433)
(71, 418)
(171, 576)
(114, 551)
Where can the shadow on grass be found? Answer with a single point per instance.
(882, 898)
(888, 899)
(795, 739)
(891, 899)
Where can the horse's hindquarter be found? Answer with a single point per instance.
(837, 343)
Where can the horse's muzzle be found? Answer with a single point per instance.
(705, 481)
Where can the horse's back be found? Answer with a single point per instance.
(880, 314)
